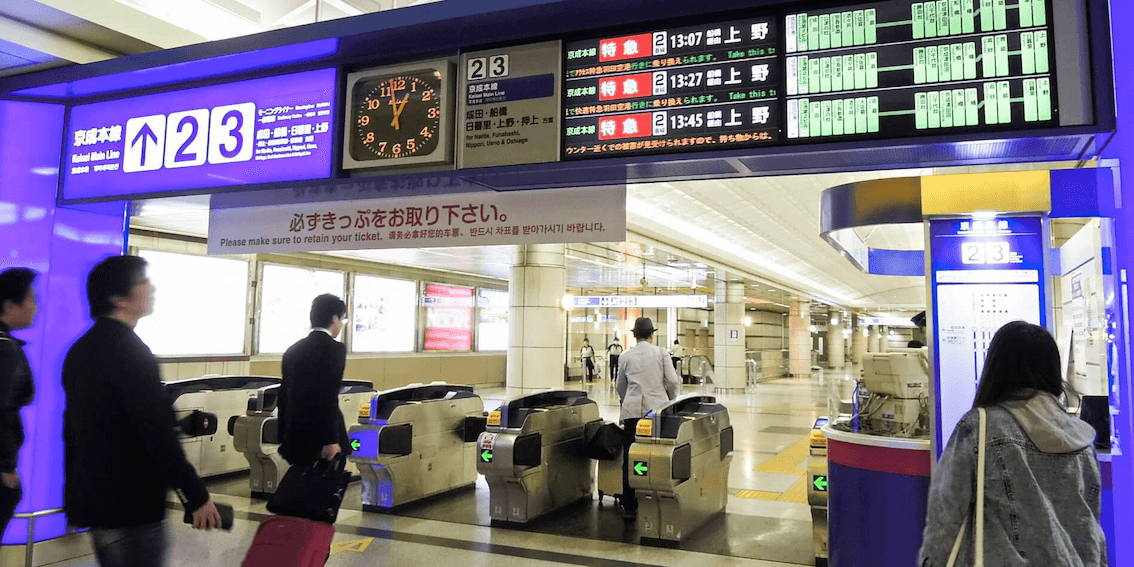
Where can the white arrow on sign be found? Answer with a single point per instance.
(145, 143)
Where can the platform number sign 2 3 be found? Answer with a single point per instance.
(190, 138)
(493, 67)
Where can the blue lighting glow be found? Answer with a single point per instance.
(189, 70)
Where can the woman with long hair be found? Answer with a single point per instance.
(1041, 475)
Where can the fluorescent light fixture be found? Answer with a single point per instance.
(984, 215)
(568, 301)
(747, 321)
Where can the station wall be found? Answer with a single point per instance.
(383, 370)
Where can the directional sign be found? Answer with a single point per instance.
(640, 468)
(357, 546)
(145, 143)
(820, 482)
(486, 456)
(355, 444)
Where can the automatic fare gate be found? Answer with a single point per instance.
(679, 468)
(416, 442)
(533, 454)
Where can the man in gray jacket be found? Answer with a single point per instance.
(646, 381)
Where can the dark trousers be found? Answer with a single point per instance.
(9, 498)
(143, 546)
(629, 500)
(590, 368)
(676, 362)
(614, 367)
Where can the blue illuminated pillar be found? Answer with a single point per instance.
(62, 244)
(1121, 539)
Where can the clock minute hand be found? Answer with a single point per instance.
(399, 107)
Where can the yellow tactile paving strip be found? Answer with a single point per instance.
(790, 461)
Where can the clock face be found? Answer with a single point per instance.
(396, 116)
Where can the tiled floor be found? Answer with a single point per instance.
(767, 522)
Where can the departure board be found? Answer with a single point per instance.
(680, 89)
(904, 68)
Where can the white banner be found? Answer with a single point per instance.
(589, 214)
(642, 301)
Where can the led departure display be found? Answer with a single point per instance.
(679, 89)
(896, 69)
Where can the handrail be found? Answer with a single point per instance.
(29, 551)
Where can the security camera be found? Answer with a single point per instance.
(644, 282)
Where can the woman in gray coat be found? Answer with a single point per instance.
(1041, 485)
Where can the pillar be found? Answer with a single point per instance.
(858, 341)
(62, 244)
(836, 343)
(1118, 493)
(729, 367)
(537, 322)
(872, 342)
(883, 338)
(799, 337)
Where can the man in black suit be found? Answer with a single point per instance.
(122, 454)
(311, 425)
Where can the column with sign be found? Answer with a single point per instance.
(985, 273)
(677, 89)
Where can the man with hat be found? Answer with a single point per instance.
(646, 381)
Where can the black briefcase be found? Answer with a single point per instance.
(314, 492)
(606, 445)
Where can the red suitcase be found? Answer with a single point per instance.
(283, 541)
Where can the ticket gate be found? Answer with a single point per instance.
(533, 454)
(416, 442)
(679, 468)
(256, 434)
(224, 396)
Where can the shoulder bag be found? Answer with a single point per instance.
(978, 548)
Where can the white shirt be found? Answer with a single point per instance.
(614, 350)
(646, 380)
(325, 331)
(677, 351)
(588, 352)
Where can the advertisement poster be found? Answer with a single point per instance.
(385, 315)
(285, 304)
(492, 321)
(448, 317)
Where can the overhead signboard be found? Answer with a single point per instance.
(509, 106)
(588, 214)
(248, 132)
(677, 89)
(904, 68)
(642, 301)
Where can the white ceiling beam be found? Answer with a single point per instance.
(50, 43)
(127, 20)
(273, 20)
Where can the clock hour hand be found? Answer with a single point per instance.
(398, 108)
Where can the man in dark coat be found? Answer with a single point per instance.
(311, 425)
(17, 311)
(119, 429)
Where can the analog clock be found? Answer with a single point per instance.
(398, 116)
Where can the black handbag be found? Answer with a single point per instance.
(606, 445)
(314, 492)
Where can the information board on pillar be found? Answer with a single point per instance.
(682, 89)
(249, 132)
(903, 68)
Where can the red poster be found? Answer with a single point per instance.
(448, 317)
(625, 126)
(622, 48)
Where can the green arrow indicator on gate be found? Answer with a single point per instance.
(640, 468)
(486, 456)
(355, 445)
(821, 483)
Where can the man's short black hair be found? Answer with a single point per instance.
(324, 308)
(15, 285)
(113, 277)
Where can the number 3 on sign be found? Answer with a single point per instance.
(232, 131)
